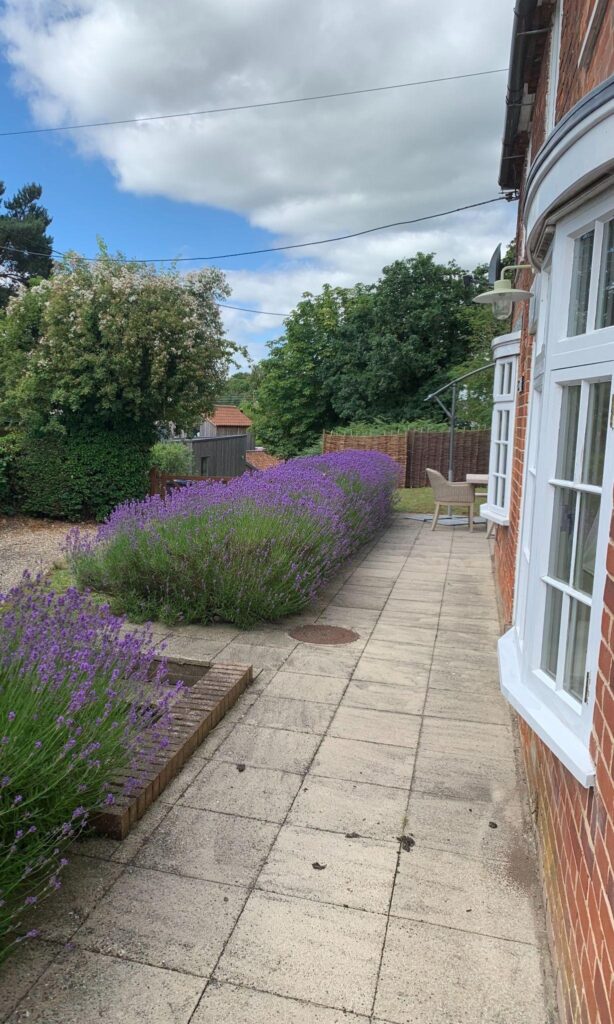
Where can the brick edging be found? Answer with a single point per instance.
(197, 711)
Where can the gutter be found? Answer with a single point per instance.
(523, 37)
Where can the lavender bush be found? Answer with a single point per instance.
(255, 549)
(81, 701)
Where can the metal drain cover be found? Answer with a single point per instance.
(324, 635)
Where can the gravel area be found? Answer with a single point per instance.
(34, 544)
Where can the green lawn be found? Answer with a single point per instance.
(414, 499)
(417, 499)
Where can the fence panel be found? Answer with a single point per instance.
(394, 445)
(162, 483)
(417, 451)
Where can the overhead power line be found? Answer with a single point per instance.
(245, 309)
(272, 248)
(275, 248)
(248, 106)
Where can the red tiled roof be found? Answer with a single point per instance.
(229, 416)
(261, 460)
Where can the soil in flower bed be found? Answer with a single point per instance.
(210, 691)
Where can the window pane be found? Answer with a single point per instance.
(503, 461)
(605, 301)
(568, 434)
(561, 541)
(584, 571)
(508, 378)
(596, 430)
(552, 629)
(580, 283)
(505, 425)
(502, 495)
(501, 377)
(577, 644)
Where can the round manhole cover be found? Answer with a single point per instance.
(323, 635)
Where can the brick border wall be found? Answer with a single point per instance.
(574, 825)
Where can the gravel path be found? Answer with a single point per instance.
(34, 544)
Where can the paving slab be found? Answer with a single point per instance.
(375, 726)
(410, 634)
(295, 715)
(360, 619)
(287, 946)
(357, 761)
(84, 882)
(208, 845)
(262, 793)
(382, 670)
(376, 812)
(330, 662)
(164, 920)
(364, 597)
(489, 708)
(407, 700)
(462, 977)
(300, 686)
(331, 868)
(232, 1004)
(401, 653)
(484, 831)
(444, 887)
(269, 748)
(29, 960)
(82, 987)
(258, 655)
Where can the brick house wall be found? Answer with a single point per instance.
(575, 825)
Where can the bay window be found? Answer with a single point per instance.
(505, 355)
(549, 658)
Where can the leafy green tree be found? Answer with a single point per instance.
(110, 345)
(399, 339)
(25, 246)
(294, 394)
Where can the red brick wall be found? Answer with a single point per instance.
(575, 82)
(575, 826)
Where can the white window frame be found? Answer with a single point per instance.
(562, 721)
(505, 355)
(553, 68)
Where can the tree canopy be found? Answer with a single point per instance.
(110, 345)
(371, 352)
(25, 246)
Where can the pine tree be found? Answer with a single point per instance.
(25, 246)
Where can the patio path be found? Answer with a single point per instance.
(350, 845)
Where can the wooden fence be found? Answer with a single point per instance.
(162, 483)
(416, 451)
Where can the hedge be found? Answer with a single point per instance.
(80, 477)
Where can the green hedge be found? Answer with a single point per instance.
(81, 477)
(9, 489)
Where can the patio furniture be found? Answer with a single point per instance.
(446, 493)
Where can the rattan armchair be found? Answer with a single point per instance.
(446, 493)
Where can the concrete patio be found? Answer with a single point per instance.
(350, 844)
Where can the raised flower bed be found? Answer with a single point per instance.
(257, 548)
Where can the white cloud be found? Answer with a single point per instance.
(300, 171)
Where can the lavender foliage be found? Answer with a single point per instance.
(82, 702)
(254, 549)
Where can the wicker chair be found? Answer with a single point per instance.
(446, 493)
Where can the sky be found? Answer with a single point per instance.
(263, 177)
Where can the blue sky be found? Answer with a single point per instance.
(258, 178)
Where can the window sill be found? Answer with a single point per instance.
(494, 515)
(557, 736)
